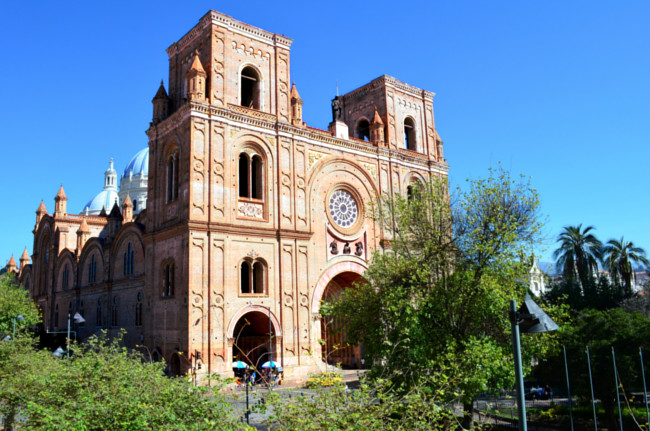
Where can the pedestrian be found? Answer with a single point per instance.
(253, 378)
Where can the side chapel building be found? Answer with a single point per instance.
(247, 217)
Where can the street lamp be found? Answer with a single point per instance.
(20, 318)
(77, 319)
(532, 319)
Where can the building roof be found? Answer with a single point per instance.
(138, 165)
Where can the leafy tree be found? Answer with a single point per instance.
(101, 387)
(618, 256)
(578, 255)
(373, 406)
(603, 294)
(15, 301)
(438, 298)
(601, 330)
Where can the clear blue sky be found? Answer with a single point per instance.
(556, 90)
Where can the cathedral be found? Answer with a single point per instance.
(227, 232)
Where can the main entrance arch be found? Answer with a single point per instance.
(335, 347)
(255, 335)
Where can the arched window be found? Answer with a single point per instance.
(409, 134)
(252, 277)
(114, 313)
(168, 279)
(363, 130)
(98, 315)
(129, 258)
(65, 279)
(135, 205)
(172, 177)
(251, 176)
(56, 316)
(92, 270)
(138, 310)
(250, 88)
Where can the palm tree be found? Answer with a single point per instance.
(578, 254)
(618, 257)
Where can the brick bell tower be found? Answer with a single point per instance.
(196, 209)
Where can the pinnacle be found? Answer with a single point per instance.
(161, 93)
(196, 64)
(294, 91)
(41, 208)
(61, 194)
(12, 261)
(83, 227)
(25, 255)
(377, 119)
(127, 202)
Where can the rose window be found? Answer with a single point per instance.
(343, 208)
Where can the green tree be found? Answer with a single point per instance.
(601, 330)
(15, 301)
(373, 406)
(101, 387)
(438, 297)
(618, 256)
(578, 255)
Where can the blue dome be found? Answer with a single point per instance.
(139, 164)
(104, 199)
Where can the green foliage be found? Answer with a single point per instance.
(101, 387)
(578, 255)
(601, 330)
(15, 301)
(438, 298)
(374, 406)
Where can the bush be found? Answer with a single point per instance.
(323, 380)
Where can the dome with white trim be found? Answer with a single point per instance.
(134, 180)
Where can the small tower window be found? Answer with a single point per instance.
(409, 134)
(135, 205)
(363, 130)
(245, 280)
(250, 88)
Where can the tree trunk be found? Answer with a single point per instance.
(468, 415)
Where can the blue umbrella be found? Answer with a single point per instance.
(239, 365)
(269, 364)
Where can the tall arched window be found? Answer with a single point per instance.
(65, 279)
(251, 176)
(168, 279)
(252, 277)
(114, 313)
(92, 270)
(129, 258)
(250, 88)
(409, 134)
(98, 313)
(363, 129)
(138, 310)
(172, 177)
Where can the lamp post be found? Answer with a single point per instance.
(528, 319)
(20, 318)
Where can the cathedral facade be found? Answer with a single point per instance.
(251, 218)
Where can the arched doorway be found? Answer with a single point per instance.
(336, 349)
(254, 339)
(175, 365)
